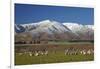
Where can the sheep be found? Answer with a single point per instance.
(40, 52)
(36, 54)
(20, 54)
(90, 51)
(43, 52)
(71, 52)
(30, 53)
(83, 52)
(66, 51)
(46, 52)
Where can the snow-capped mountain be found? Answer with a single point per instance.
(79, 28)
(54, 28)
(84, 31)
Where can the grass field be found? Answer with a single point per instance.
(52, 57)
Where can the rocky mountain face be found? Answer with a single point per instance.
(55, 30)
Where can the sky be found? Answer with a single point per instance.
(30, 13)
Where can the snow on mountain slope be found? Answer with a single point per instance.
(78, 27)
(54, 27)
(50, 26)
(84, 31)
(19, 29)
(45, 26)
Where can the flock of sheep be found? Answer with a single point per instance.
(34, 53)
(79, 51)
(67, 51)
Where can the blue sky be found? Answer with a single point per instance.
(29, 13)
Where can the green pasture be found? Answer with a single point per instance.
(50, 58)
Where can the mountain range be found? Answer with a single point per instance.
(56, 30)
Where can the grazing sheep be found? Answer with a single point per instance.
(66, 52)
(30, 53)
(90, 51)
(36, 54)
(43, 52)
(20, 54)
(83, 52)
(71, 52)
(40, 52)
(46, 52)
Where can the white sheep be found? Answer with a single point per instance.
(36, 54)
(46, 52)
